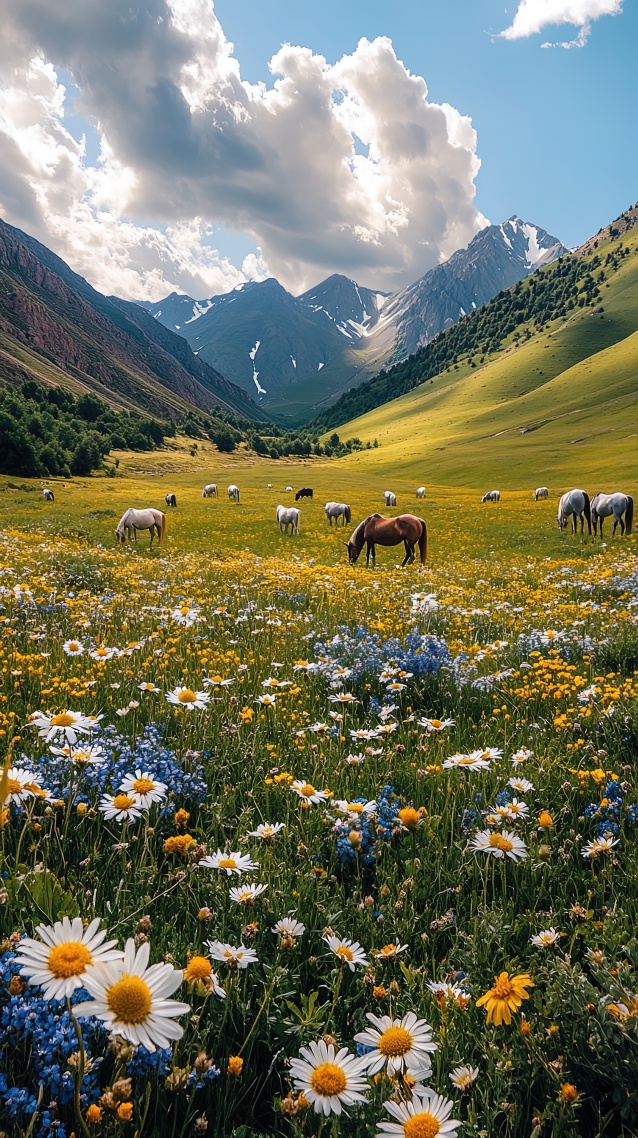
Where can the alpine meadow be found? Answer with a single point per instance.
(318, 571)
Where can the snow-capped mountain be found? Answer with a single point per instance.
(269, 341)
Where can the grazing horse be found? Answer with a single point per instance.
(133, 520)
(421, 492)
(338, 510)
(604, 505)
(48, 495)
(289, 489)
(306, 492)
(233, 492)
(377, 530)
(541, 492)
(492, 496)
(389, 498)
(210, 491)
(574, 504)
(171, 500)
(288, 516)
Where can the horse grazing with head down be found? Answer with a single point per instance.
(421, 492)
(133, 520)
(541, 492)
(306, 492)
(210, 491)
(171, 500)
(574, 504)
(389, 498)
(48, 495)
(288, 516)
(618, 505)
(377, 530)
(492, 496)
(233, 492)
(337, 510)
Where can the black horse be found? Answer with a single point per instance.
(305, 493)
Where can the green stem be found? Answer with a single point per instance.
(79, 1074)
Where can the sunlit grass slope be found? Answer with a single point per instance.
(559, 408)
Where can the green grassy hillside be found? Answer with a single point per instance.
(560, 404)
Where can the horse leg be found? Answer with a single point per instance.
(407, 554)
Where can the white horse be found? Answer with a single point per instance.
(574, 504)
(210, 491)
(421, 492)
(288, 516)
(289, 489)
(133, 520)
(389, 498)
(337, 510)
(492, 496)
(233, 492)
(604, 505)
(48, 495)
(541, 492)
(171, 500)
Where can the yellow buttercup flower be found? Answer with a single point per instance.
(505, 997)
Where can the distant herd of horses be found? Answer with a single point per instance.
(406, 529)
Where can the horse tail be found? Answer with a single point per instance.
(629, 514)
(347, 515)
(162, 527)
(423, 542)
(587, 510)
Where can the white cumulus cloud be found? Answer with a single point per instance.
(534, 15)
(340, 166)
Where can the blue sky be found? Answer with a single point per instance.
(557, 129)
(152, 156)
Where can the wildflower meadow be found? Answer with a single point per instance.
(294, 848)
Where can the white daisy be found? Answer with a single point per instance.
(73, 647)
(132, 1000)
(102, 654)
(65, 724)
(59, 960)
(488, 753)
(471, 762)
(342, 697)
(521, 756)
(435, 725)
(186, 615)
(354, 810)
(92, 755)
(349, 952)
(234, 956)
(149, 687)
(307, 792)
(390, 951)
(217, 682)
(355, 760)
(513, 811)
(363, 733)
(267, 700)
(328, 1079)
(289, 927)
(186, 697)
(229, 863)
(120, 807)
(463, 1077)
(399, 1045)
(19, 785)
(520, 785)
(599, 846)
(425, 1115)
(547, 939)
(246, 894)
(266, 831)
(446, 993)
(143, 789)
(505, 844)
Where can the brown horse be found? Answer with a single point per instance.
(377, 530)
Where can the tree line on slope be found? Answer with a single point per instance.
(551, 293)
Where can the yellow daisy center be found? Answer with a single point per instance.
(497, 841)
(102, 652)
(130, 999)
(143, 785)
(355, 808)
(395, 1041)
(246, 896)
(64, 719)
(73, 646)
(81, 756)
(328, 1079)
(422, 1125)
(267, 832)
(388, 950)
(467, 760)
(13, 786)
(308, 789)
(69, 959)
(198, 968)
(187, 696)
(435, 723)
(344, 952)
(227, 863)
(503, 990)
(123, 802)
